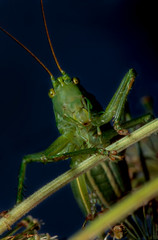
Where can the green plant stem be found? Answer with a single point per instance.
(24, 207)
(119, 211)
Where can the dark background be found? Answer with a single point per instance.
(95, 40)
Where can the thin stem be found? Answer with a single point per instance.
(119, 211)
(24, 207)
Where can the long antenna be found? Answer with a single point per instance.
(32, 54)
(50, 44)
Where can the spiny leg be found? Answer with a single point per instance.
(116, 105)
(86, 199)
(137, 121)
(44, 157)
(56, 147)
(52, 153)
(81, 194)
(110, 133)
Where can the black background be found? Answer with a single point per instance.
(95, 40)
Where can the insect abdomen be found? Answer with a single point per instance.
(107, 184)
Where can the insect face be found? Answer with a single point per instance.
(68, 101)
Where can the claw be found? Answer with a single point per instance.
(123, 132)
(113, 155)
(120, 130)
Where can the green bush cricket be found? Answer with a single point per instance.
(83, 133)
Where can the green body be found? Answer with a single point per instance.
(75, 113)
(85, 130)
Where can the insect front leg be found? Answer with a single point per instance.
(115, 107)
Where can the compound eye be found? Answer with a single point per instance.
(75, 80)
(51, 93)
